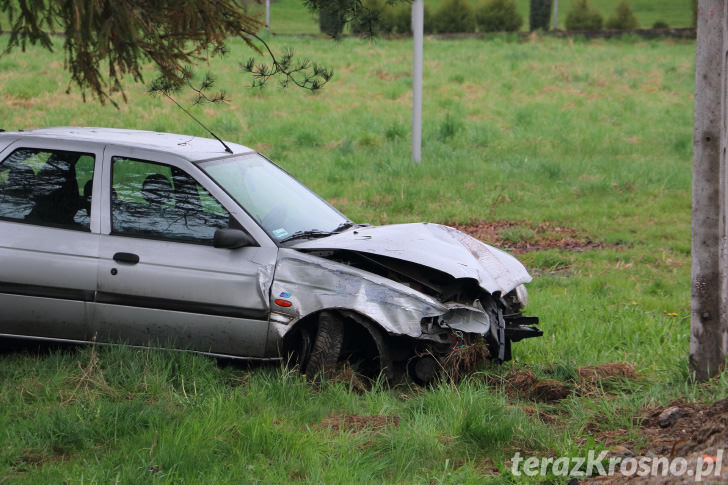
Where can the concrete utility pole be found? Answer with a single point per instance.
(556, 14)
(708, 299)
(418, 21)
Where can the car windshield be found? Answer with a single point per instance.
(283, 206)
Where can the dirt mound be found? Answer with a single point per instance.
(597, 379)
(682, 428)
(606, 371)
(354, 423)
(525, 384)
(525, 236)
(519, 383)
(686, 430)
(550, 390)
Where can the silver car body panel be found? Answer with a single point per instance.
(5, 142)
(198, 290)
(38, 262)
(188, 147)
(440, 247)
(313, 284)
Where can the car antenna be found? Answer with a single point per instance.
(227, 148)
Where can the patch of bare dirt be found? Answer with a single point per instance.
(519, 383)
(524, 383)
(599, 378)
(550, 390)
(525, 236)
(691, 431)
(683, 428)
(353, 423)
(595, 373)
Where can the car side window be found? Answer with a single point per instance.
(158, 201)
(47, 187)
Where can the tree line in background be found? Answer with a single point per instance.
(460, 16)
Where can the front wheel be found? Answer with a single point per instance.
(326, 346)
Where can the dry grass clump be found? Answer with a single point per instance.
(464, 359)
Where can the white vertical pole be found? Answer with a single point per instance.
(418, 19)
(556, 14)
(267, 16)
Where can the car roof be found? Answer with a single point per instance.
(192, 148)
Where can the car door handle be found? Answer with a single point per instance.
(129, 258)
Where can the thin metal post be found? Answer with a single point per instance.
(267, 16)
(418, 19)
(556, 14)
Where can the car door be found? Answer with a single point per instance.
(48, 244)
(160, 280)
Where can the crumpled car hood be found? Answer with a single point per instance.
(440, 247)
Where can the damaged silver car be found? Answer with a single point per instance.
(156, 239)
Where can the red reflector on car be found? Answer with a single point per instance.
(284, 303)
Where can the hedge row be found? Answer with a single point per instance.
(583, 17)
(453, 16)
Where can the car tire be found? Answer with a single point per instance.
(326, 347)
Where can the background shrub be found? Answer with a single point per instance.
(332, 22)
(659, 24)
(385, 18)
(454, 16)
(539, 16)
(397, 19)
(498, 16)
(581, 17)
(373, 17)
(624, 18)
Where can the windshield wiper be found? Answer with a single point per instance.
(314, 233)
(343, 226)
(311, 233)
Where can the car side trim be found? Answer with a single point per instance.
(181, 306)
(46, 291)
(132, 300)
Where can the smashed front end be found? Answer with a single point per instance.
(427, 313)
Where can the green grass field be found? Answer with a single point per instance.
(591, 136)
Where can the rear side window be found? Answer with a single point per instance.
(47, 187)
(162, 202)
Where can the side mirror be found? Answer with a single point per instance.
(232, 239)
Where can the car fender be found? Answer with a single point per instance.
(305, 284)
